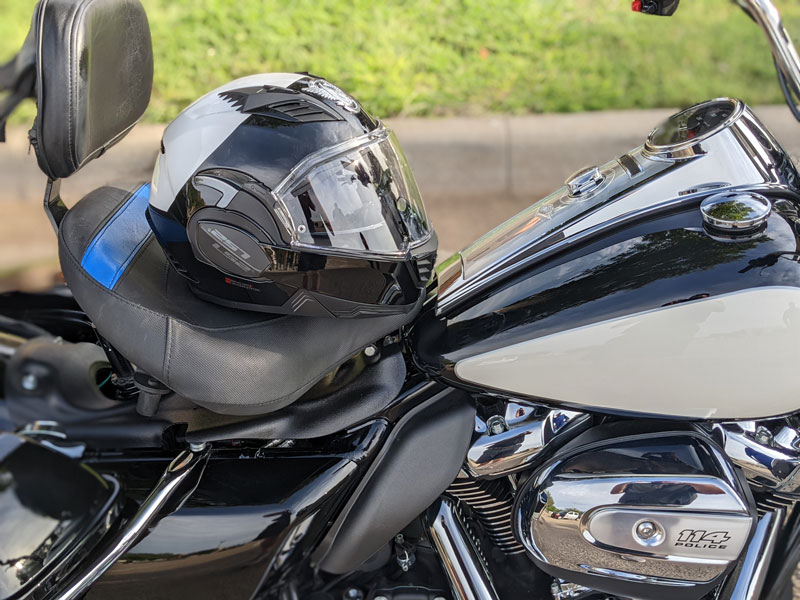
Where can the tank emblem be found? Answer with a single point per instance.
(327, 91)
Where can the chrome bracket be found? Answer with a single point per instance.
(179, 480)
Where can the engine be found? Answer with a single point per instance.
(666, 511)
(627, 508)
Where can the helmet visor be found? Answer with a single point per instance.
(357, 197)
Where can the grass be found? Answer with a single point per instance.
(431, 58)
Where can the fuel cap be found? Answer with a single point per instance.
(735, 212)
(584, 181)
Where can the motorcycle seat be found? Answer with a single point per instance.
(227, 360)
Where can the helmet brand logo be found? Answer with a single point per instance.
(327, 91)
(240, 284)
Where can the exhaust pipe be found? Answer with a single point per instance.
(461, 560)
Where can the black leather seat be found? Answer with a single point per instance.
(227, 360)
(90, 64)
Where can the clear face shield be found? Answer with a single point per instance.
(358, 197)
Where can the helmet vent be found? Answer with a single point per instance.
(279, 103)
(303, 111)
(425, 267)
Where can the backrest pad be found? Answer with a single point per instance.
(94, 74)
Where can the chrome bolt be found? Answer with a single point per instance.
(29, 382)
(496, 424)
(197, 446)
(353, 594)
(370, 351)
(646, 530)
(763, 435)
(649, 534)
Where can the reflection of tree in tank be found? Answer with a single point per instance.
(660, 255)
(730, 211)
(653, 257)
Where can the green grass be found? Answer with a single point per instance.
(425, 57)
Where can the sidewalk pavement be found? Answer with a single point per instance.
(474, 173)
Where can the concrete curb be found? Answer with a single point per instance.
(474, 172)
(517, 156)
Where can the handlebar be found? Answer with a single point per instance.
(768, 18)
(764, 13)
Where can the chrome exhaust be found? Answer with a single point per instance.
(751, 578)
(461, 560)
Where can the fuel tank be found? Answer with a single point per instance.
(663, 283)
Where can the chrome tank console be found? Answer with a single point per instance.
(649, 516)
(714, 146)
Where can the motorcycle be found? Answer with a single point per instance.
(597, 399)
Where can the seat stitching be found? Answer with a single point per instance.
(92, 281)
(166, 366)
(148, 240)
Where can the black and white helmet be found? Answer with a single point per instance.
(279, 193)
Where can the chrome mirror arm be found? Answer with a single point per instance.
(768, 18)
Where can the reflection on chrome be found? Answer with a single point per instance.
(742, 154)
(461, 561)
(752, 576)
(665, 509)
(769, 462)
(529, 428)
(177, 481)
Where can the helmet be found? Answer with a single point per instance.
(279, 193)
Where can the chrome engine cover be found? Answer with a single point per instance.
(647, 516)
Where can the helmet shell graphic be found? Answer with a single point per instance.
(279, 193)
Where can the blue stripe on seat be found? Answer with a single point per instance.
(118, 242)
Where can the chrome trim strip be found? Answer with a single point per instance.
(446, 301)
(743, 154)
(171, 481)
(750, 581)
(647, 579)
(462, 288)
(460, 559)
